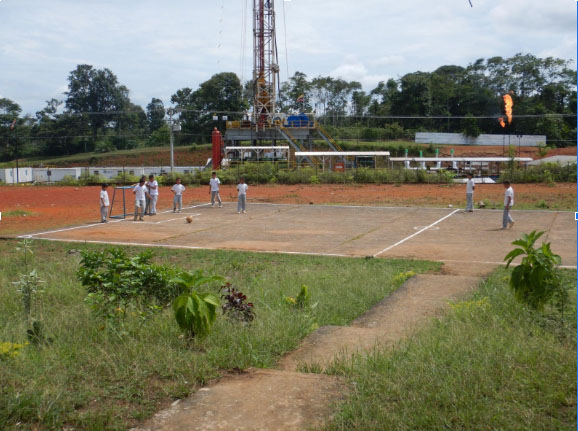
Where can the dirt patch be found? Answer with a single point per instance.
(28, 209)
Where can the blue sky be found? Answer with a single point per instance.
(157, 47)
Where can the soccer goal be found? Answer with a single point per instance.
(121, 202)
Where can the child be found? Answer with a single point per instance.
(214, 189)
(178, 190)
(242, 194)
(153, 187)
(470, 187)
(140, 194)
(104, 203)
(508, 204)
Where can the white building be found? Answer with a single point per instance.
(13, 175)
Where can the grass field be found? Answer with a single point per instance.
(90, 378)
(488, 364)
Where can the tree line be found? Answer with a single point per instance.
(96, 113)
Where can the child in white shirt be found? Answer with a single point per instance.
(242, 195)
(140, 194)
(214, 184)
(508, 204)
(104, 203)
(153, 187)
(178, 190)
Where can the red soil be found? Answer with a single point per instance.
(31, 209)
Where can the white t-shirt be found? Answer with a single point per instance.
(214, 184)
(242, 189)
(140, 192)
(509, 193)
(178, 189)
(155, 190)
(104, 198)
(470, 186)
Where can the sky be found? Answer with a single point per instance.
(156, 47)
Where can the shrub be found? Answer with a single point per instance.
(536, 280)
(195, 312)
(114, 278)
(235, 305)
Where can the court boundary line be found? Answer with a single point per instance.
(192, 247)
(32, 235)
(407, 238)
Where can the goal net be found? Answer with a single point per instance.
(121, 203)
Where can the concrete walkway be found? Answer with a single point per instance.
(288, 400)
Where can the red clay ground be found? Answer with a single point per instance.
(28, 209)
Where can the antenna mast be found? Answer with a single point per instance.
(265, 67)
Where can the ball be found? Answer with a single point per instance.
(450, 206)
(189, 219)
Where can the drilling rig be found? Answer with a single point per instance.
(266, 125)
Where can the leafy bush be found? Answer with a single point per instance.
(195, 312)
(548, 173)
(235, 305)
(536, 280)
(115, 280)
(303, 299)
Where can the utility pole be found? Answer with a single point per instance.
(13, 128)
(171, 112)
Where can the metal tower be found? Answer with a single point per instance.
(265, 62)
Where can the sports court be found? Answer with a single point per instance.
(439, 234)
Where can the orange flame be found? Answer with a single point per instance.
(508, 104)
(502, 122)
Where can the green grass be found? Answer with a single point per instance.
(92, 158)
(90, 378)
(489, 364)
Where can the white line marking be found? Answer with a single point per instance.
(329, 205)
(305, 253)
(191, 247)
(416, 233)
(97, 224)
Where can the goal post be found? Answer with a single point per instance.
(122, 202)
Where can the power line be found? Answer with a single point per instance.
(385, 117)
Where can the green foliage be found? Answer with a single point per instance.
(303, 299)
(195, 312)
(535, 281)
(117, 283)
(547, 173)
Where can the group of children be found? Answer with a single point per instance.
(146, 194)
(507, 220)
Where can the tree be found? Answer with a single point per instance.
(96, 94)
(155, 114)
(9, 112)
(291, 92)
(222, 94)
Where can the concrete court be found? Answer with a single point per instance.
(440, 234)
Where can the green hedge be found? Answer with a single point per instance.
(547, 173)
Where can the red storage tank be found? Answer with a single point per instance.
(217, 140)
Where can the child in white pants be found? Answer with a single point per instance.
(242, 195)
(104, 203)
(178, 190)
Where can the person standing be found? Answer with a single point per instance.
(140, 194)
(153, 187)
(507, 220)
(104, 203)
(470, 186)
(214, 184)
(178, 190)
(242, 195)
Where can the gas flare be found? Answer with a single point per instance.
(508, 104)
(502, 122)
